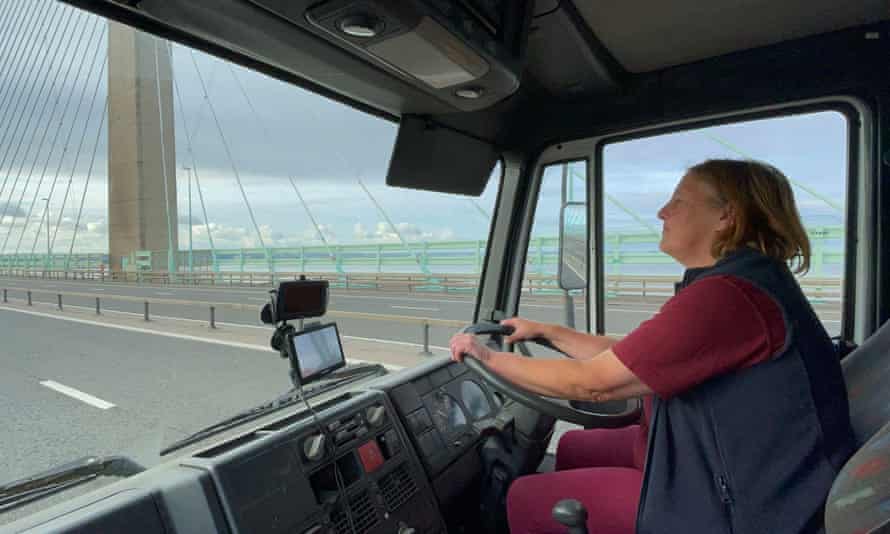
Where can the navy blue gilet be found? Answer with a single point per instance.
(755, 450)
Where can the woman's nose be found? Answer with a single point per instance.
(662, 213)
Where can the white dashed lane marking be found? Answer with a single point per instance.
(77, 394)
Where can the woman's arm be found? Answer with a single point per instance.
(598, 378)
(576, 344)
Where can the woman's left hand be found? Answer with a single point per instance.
(467, 344)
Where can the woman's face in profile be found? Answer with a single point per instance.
(692, 219)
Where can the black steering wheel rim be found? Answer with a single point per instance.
(609, 414)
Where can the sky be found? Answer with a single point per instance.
(52, 95)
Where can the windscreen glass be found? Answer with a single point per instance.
(151, 196)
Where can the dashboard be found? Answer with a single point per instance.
(389, 455)
(445, 412)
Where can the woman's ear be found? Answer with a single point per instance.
(727, 218)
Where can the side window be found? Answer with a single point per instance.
(639, 175)
(556, 268)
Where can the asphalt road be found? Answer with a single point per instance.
(431, 305)
(621, 316)
(162, 388)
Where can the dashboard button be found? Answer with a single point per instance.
(375, 415)
(342, 437)
(370, 456)
(313, 447)
(419, 421)
(390, 443)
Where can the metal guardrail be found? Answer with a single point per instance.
(652, 287)
(622, 249)
(424, 322)
(413, 283)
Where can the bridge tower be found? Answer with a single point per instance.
(141, 150)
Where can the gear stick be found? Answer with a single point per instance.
(572, 514)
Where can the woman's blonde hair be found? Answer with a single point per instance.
(765, 214)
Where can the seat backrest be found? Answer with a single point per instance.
(859, 501)
(867, 373)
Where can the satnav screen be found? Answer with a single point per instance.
(318, 351)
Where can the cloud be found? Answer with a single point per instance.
(410, 232)
(12, 210)
(184, 219)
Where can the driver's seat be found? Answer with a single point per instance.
(859, 501)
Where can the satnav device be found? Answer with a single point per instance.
(318, 351)
(296, 299)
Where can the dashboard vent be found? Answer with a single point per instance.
(364, 515)
(397, 487)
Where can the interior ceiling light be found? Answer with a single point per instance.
(361, 25)
(470, 93)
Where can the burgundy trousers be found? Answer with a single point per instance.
(598, 468)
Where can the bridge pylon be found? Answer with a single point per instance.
(142, 204)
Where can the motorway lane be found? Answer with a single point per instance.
(432, 305)
(162, 389)
(621, 317)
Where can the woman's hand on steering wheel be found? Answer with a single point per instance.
(523, 329)
(467, 344)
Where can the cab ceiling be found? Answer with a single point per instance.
(648, 35)
(587, 51)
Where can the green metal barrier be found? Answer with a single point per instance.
(626, 253)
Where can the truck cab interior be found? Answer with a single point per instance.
(528, 87)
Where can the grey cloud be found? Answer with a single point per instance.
(184, 219)
(11, 209)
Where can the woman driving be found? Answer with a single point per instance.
(746, 420)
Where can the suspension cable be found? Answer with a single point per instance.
(86, 185)
(41, 118)
(14, 66)
(268, 138)
(80, 145)
(232, 162)
(191, 153)
(85, 48)
(7, 35)
(80, 101)
(31, 115)
(84, 20)
(171, 261)
(17, 98)
(199, 115)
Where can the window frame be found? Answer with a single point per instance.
(854, 121)
(859, 312)
(530, 211)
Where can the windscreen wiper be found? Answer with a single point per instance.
(64, 476)
(332, 381)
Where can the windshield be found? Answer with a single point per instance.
(150, 196)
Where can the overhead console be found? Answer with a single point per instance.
(468, 53)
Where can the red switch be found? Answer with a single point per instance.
(371, 456)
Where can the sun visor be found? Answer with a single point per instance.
(433, 158)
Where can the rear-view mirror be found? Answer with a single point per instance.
(572, 271)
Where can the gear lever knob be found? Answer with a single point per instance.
(572, 514)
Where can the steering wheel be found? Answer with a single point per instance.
(607, 414)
